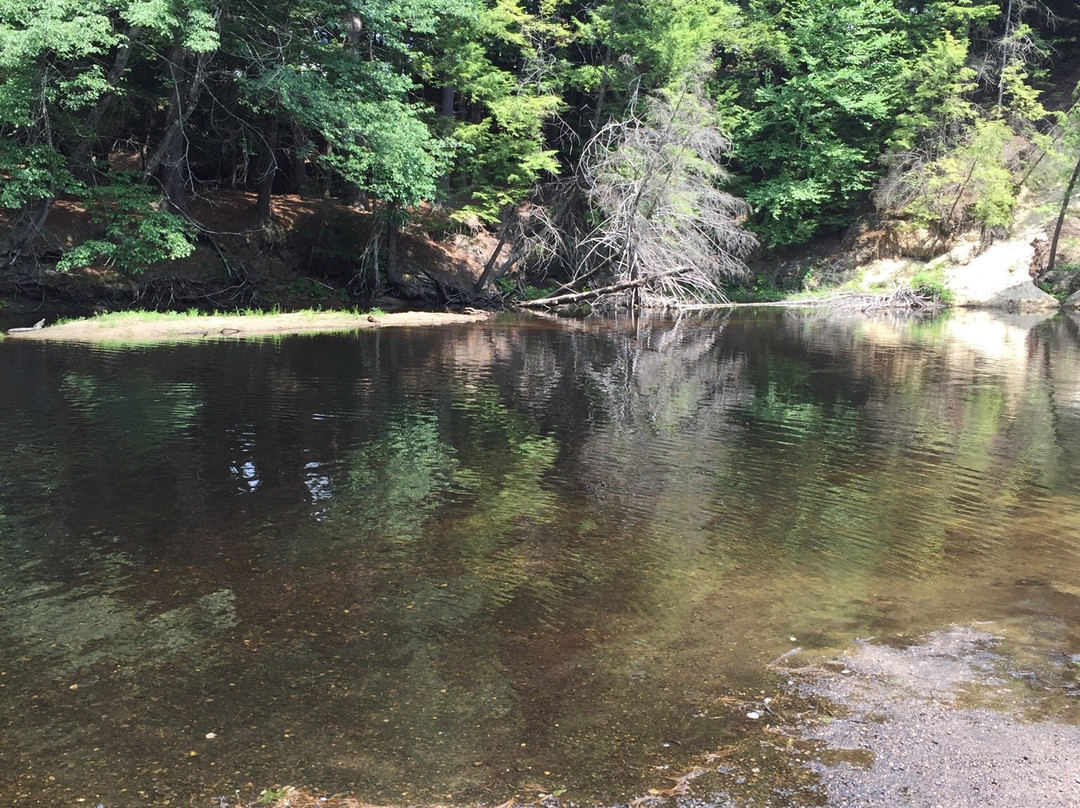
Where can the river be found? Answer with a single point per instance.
(462, 563)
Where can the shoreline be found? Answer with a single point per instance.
(151, 328)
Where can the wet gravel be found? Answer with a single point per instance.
(946, 723)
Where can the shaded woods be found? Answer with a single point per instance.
(638, 146)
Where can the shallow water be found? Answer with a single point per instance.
(471, 562)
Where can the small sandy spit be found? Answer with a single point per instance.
(231, 326)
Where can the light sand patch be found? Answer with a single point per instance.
(235, 326)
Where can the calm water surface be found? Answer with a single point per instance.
(466, 563)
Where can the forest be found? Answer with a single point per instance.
(647, 146)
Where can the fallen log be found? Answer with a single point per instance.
(573, 297)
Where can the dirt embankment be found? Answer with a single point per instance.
(313, 253)
(321, 253)
(1009, 271)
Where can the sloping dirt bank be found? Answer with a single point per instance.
(112, 329)
(311, 254)
(949, 722)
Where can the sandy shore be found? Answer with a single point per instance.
(111, 329)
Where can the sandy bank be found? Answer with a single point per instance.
(232, 326)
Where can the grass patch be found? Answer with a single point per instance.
(930, 283)
(806, 280)
(763, 292)
(1062, 282)
(758, 293)
(525, 291)
(1060, 295)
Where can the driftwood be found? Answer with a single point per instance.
(225, 332)
(35, 327)
(898, 299)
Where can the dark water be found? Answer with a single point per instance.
(466, 563)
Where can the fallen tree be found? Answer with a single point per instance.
(566, 298)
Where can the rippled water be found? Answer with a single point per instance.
(471, 562)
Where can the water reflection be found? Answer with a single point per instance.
(471, 562)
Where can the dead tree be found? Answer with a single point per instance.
(649, 217)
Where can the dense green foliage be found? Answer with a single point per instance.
(931, 109)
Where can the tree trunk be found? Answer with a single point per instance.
(960, 195)
(604, 75)
(574, 297)
(298, 164)
(393, 268)
(1004, 55)
(354, 38)
(174, 179)
(1061, 215)
(489, 274)
(174, 119)
(266, 172)
(169, 160)
(80, 156)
